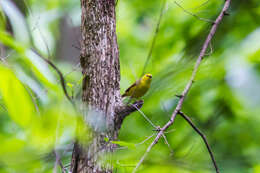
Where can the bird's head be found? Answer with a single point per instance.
(147, 77)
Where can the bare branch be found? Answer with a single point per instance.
(123, 111)
(189, 84)
(58, 162)
(203, 137)
(62, 79)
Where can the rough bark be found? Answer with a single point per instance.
(103, 108)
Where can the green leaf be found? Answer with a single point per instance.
(70, 85)
(2, 19)
(124, 144)
(31, 60)
(17, 21)
(16, 98)
(106, 139)
(10, 145)
(255, 57)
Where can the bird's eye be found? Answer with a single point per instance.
(150, 76)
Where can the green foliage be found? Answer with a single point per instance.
(30, 133)
(36, 118)
(13, 93)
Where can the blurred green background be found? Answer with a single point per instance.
(36, 119)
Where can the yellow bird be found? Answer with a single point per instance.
(140, 87)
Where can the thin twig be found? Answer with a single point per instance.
(170, 131)
(153, 42)
(167, 143)
(147, 119)
(62, 79)
(75, 68)
(3, 59)
(37, 27)
(155, 36)
(201, 5)
(124, 165)
(140, 143)
(192, 14)
(58, 162)
(203, 137)
(211, 50)
(189, 84)
(33, 98)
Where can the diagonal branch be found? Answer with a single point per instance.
(123, 111)
(155, 36)
(167, 143)
(62, 79)
(190, 82)
(203, 137)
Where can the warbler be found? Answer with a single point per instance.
(140, 87)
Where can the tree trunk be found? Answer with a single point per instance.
(103, 108)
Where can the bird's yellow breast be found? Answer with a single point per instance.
(139, 90)
(140, 87)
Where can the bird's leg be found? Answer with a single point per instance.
(130, 99)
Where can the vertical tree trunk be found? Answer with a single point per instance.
(100, 66)
(101, 92)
